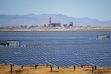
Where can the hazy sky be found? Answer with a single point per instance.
(95, 9)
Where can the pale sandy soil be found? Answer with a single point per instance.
(42, 69)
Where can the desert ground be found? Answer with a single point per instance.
(56, 29)
(43, 69)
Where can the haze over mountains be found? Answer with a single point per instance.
(32, 19)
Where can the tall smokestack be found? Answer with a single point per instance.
(50, 21)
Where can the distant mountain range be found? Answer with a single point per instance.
(32, 19)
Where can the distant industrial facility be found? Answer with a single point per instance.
(56, 24)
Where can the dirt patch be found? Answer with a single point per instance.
(43, 69)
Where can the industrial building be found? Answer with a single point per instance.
(10, 43)
(53, 24)
(71, 24)
(56, 24)
(103, 37)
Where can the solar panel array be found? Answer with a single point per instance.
(57, 50)
(60, 56)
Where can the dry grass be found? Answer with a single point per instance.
(42, 69)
